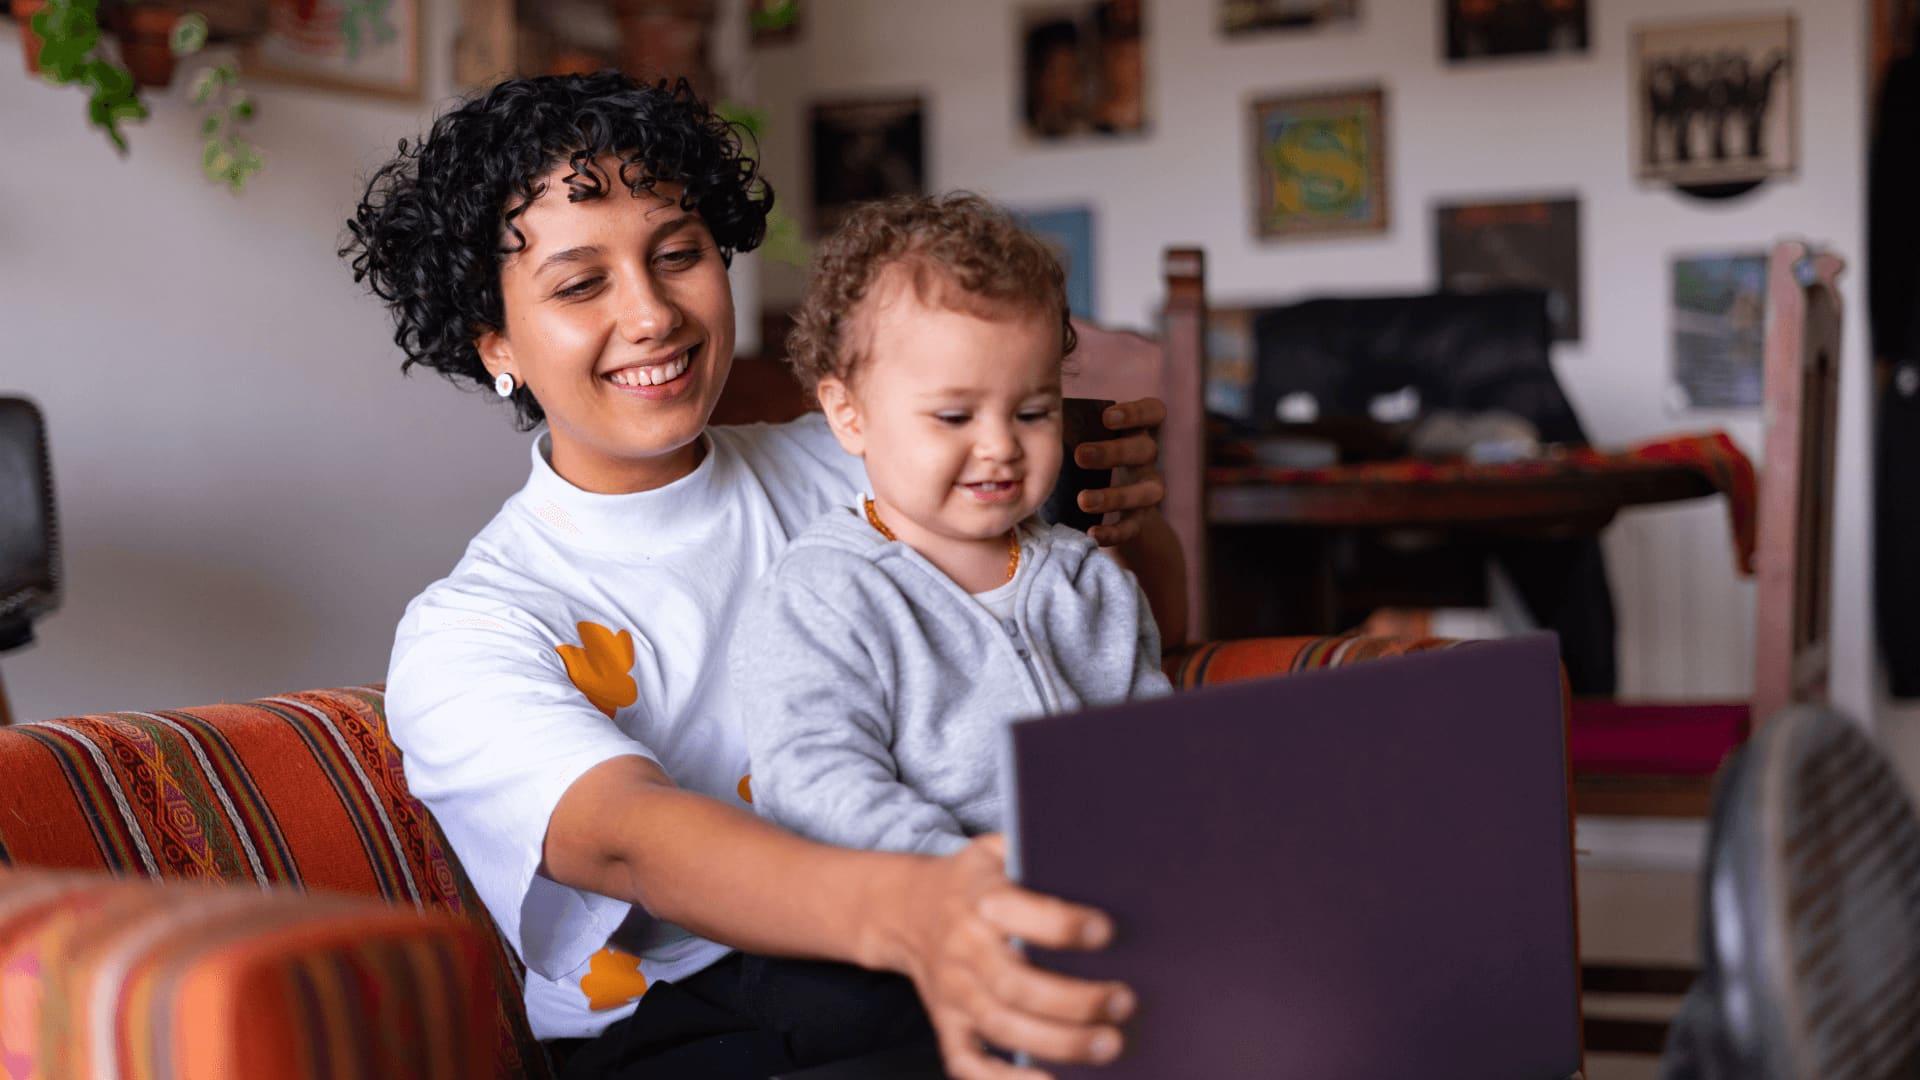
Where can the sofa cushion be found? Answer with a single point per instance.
(303, 790)
(1253, 658)
(101, 976)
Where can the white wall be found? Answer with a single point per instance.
(248, 490)
(1519, 127)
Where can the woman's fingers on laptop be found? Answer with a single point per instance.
(1047, 1040)
(967, 1059)
(1044, 994)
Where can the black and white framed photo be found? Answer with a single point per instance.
(1716, 102)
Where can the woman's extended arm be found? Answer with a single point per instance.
(624, 830)
(1140, 537)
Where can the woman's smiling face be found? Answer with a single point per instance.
(619, 320)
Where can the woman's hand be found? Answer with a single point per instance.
(979, 990)
(1134, 456)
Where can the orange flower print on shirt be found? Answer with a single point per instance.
(602, 667)
(745, 788)
(613, 978)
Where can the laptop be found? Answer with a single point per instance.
(1345, 874)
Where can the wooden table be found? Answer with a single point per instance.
(1562, 504)
(1311, 551)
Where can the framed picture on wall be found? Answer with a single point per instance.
(1719, 329)
(1256, 16)
(361, 48)
(484, 43)
(1082, 69)
(1069, 232)
(1320, 166)
(1715, 101)
(1481, 29)
(864, 150)
(1534, 243)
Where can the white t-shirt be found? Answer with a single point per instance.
(579, 628)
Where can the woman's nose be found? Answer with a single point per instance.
(646, 311)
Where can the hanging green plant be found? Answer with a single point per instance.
(72, 54)
(227, 156)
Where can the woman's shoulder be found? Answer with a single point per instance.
(803, 447)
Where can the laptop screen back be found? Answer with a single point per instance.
(1339, 875)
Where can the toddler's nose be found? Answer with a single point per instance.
(997, 442)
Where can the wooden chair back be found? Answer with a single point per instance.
(1794, 558)
(1124, 366)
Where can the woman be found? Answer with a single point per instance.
(561, 698)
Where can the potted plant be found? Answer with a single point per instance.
(146, 33)
(30, 42)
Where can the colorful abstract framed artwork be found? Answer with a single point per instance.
(1320, 165)
(358, 46)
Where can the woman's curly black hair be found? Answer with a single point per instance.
(437, 221)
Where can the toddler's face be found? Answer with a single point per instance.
(958, 417)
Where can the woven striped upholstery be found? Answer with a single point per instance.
(303, 790)
(101, 976)
(1251, 658)
(1815, 906)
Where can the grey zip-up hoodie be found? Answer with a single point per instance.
(872, 687)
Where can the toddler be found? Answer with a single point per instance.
(879, 656)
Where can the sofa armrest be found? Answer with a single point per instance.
(1251, 658)
(180, 979)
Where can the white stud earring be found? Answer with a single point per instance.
(503, 384)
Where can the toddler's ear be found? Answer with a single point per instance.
(843, 415)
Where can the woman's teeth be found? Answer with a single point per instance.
(655, 375)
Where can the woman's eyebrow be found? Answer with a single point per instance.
(583, 253)
(589, 252)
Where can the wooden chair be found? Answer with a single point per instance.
(1653, 759)
(1115, 364)
(1624, 754)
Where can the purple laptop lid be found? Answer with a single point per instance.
(1347, 874)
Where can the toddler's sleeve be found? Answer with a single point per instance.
(808, 677)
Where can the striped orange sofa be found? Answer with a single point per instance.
(302, 915)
